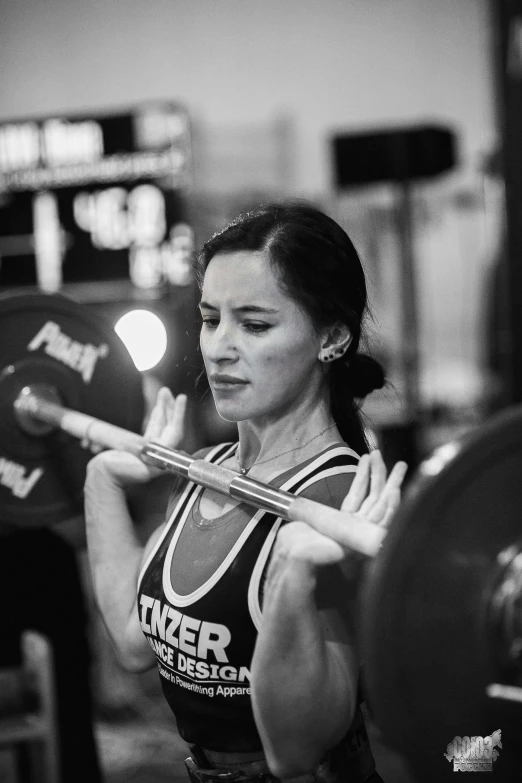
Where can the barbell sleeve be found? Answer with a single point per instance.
(79, 425)
(364, 537)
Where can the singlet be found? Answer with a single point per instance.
(203, 631)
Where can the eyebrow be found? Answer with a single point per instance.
(242, 309)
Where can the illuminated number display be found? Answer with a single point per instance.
(86, 199)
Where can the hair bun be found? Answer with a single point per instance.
(365, 375)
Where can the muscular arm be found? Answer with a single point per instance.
(115, 552)
(115, 557)
(304, 670)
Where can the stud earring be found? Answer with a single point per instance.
(326, 357)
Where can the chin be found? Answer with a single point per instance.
(230, 412)
(228, 417)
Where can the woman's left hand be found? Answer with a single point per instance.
(322, 535)
(373, 497)
(299, 543)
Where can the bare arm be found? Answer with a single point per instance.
(305, 669)
(115, 551)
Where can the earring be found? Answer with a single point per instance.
(326, 357)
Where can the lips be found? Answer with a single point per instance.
(222, 381)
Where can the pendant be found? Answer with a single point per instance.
(243, 471)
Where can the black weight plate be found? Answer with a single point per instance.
(428, 652)
(48, 339)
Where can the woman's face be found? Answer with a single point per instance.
(259, 348)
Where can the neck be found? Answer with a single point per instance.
(285, 438)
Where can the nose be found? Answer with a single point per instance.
(219, 345)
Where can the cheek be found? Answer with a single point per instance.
(203, 345)
(288, 363)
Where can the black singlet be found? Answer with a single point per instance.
(203, 632)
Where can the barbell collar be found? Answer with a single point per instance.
(159, 456)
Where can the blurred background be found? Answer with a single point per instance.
(131, 130)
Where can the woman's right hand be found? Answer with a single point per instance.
(166, 425)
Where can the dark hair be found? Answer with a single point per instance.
(318, 267)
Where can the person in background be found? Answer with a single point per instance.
(250, 620)
(42, 591)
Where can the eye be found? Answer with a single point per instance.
(256, 326)
(210, 321)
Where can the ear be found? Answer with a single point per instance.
(335, 342)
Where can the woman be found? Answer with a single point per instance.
(256, 654)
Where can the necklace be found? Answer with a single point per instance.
(244, 470)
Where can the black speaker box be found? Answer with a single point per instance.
(396, 154)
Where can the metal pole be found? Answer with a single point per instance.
(360, 536)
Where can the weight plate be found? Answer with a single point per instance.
(427, 647)
(50, 340)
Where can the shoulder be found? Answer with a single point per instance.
(215, 453)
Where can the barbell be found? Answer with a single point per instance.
(440, 608)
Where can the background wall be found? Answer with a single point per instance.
(323, 65)
(267, 83)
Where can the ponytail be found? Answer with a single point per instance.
(351, 381)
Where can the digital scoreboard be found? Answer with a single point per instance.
(96, 199)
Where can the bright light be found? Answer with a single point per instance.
(145, 337)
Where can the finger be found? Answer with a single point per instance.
(395, 479)
(379, 487)
(152, 423)
(382, 512)
(386, 518)
(158, 416)
(377, 475)
(398, 473)
(389, 498)
(393, 505)
(87, 444)
(359, 488)
(173, 433)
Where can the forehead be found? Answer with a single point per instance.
(240, 278)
